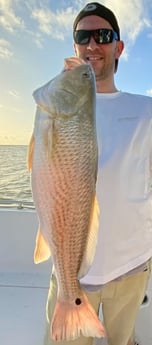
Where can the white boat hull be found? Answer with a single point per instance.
(24, 285)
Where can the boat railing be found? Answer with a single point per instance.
(17, 204)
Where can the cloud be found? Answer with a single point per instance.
(149, 92)
(132, 16)
(5, 49)
(9, 20)
(9, 139)
(14, 93)
(11, 109)
(38, 39)
(56, 24)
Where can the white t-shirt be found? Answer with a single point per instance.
(124, 185)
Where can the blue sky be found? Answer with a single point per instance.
(36, 36)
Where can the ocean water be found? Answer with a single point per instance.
(15, 186)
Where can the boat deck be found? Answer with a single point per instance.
(22, 312)
(24, 286)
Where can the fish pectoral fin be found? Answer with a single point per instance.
(42, 250)
(49, 139)
(92, 240)
(30, 153)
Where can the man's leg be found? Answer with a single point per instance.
(94, 298)
(121, 302)
(131, 341)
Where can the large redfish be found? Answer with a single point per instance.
(63, 159)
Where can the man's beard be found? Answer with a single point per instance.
(105, 71)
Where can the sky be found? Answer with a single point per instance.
(36, 36)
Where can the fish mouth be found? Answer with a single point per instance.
(67, 92)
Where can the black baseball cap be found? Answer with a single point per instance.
(94, 8)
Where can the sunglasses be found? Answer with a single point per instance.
(101, 36)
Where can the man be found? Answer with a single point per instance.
(119, 274)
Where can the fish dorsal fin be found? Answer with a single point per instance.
(42, 250)
(92, 241)
(30, 153)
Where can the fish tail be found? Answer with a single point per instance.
(70, 320)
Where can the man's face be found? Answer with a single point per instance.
(100, 56)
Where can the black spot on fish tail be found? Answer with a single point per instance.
(78, 301)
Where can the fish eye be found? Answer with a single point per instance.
(85, 75)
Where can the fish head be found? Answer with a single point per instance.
(71, 90)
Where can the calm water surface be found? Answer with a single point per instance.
(14, 177)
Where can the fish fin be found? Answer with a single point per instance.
(30, 153)
(42, 250)
(92, 241)
(49, 139)
(71, 320)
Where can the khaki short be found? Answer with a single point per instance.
(120, 300)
